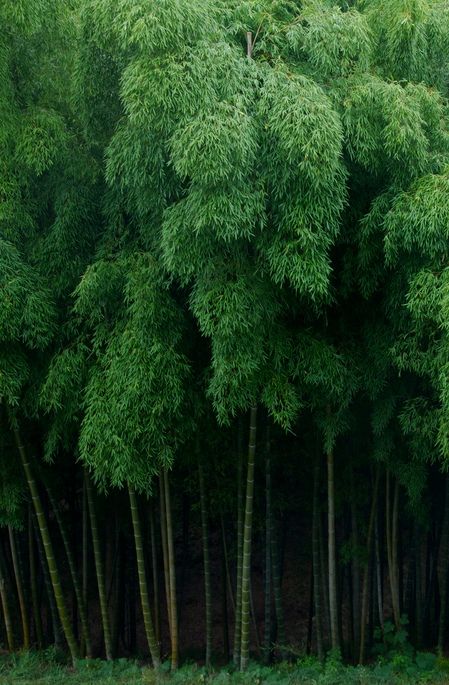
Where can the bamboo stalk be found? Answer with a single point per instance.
(20, 592)
(267, 585)
(366, 575)
(332, 560)
(206, 558)
(238, 598)
(316, 562)
(73, 574)
(33, 583)
(99, 568)
(163, 518)
(172, 575)
(5, 607)
(48, 547)
(154, 565)
(143, 585)
(246, 568)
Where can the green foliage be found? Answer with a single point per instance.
(44, 668)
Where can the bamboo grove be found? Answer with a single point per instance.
(224, 337)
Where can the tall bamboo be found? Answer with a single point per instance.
(99, 568)
(206, 558)
(332, 560)
(154, 568)
(172, 575)
(163, 520)
(391, 526)
(443, 568)
(48, 547)
(55, 623)
(38, 634)
(238, 594)
(267, 585)
(316, 562)
(74, 575)
(366, 575)
(20, 592)
(143, 585)
(5, 606)
(246, 568)
(355, 570)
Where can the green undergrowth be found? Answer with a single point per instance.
(45, 668)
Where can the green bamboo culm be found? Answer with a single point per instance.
(238, 594)
(38, 634)
(247, 533)
(206, 559)
(74, 576)
(332, 559)
(143, 585)
(443, 567)
(268, 565)
(99, 567)
(20, 592)
(172, 575)
(48, 548)
(53, 610)
(5, 606)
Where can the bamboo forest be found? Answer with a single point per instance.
(224, 340)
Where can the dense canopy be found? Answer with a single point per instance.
(224, 223)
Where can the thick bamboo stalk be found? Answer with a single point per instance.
(172, 575)
(443, 567)
(38, 634)
(206, 558)
(332, 559)
(163, 520)
(277, 588)
(316, 563)
(48, 547)
(238, 595)
(367, 572)
(20, 591)
(99, 568)
(247, 535)
(55, 623)
(5, 606)
(380, 603)
(143, 585)
(74, 575)
(154, 569)
(267, 584)
(226, 563)
(355, 571)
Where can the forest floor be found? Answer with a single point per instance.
(44, 669)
